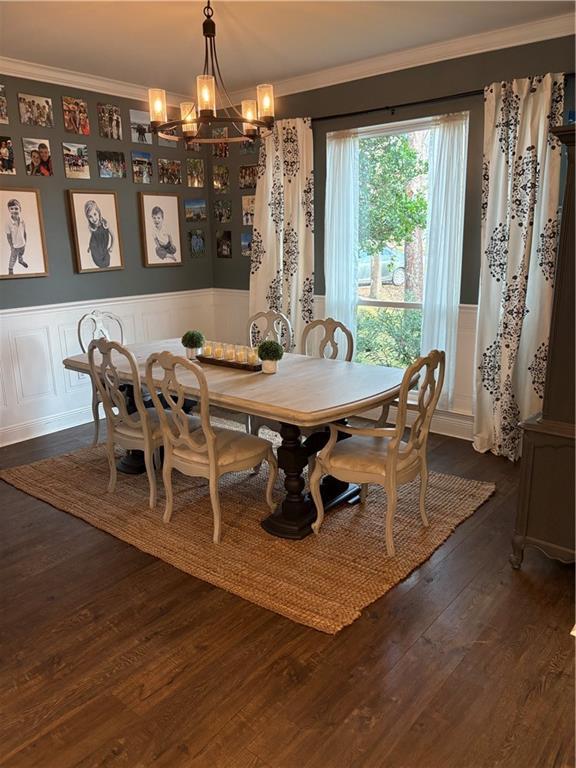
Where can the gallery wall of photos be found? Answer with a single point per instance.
(87, 189)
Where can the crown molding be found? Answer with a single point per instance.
(80, 80)
(506, 37)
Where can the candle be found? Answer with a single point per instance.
(219, 350)
(230, 352)
(241, 355)
(252, 356)
(207, 349)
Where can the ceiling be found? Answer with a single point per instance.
(160, 43)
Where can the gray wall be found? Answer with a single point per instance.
(62, 283)
(419, 84)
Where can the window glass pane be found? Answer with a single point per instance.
(392, 223)
(388, 336)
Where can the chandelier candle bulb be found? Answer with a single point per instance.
(249, 113)
(188, 117)
(265, 96)
(157, 105)
(206, 91)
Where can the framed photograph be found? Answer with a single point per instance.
(170, 132)
(222, 148)
(111, 165)
(221, 178)
(224, 243)
(22, 246)
(247, 176)
(195, 210)
(194, 172)
(94, 219)
(7, 164)
(246, 243)
(35, 110)
(160, 221)
(193, 146)
(223, 211)
(140, 127)
(37, 157)
(142, 167)
(170, 171)
(3, 105)
(249, 147)
(109, 121)
(197, 243)
(248, 210)
(76, 161)
(75, 115)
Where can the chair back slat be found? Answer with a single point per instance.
(99, 325)
(327, 346)
(429, 370)
(109, 384)
(162, 377)
(270, 325)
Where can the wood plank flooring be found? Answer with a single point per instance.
(109, 657)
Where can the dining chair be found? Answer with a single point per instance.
(205, 451)
(97, 325)
(137, 431)
(327, 344)
(382, 455)
(271, 325)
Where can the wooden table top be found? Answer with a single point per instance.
(306, 391)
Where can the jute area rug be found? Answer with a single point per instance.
(322, 581)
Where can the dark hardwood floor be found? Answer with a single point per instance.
(112, 658)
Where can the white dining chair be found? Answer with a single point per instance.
(382, 455)
(205, 451)
(270, 325)
(138, 431)
(325, 344)
(98, 325)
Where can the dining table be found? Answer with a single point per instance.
(306, 393)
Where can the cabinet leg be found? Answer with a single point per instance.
(517, 552)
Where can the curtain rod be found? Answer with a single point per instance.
(394, 107)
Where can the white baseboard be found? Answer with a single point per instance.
(37, 396)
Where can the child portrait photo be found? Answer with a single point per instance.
(221, 178)
(221, 149)
(195, 172)
(76, 161)
(111, 165)
(75, 115)
(249, 147)
(248, 210)
(109, 121)
(247, 176)
(23, 250)
(37, 157)
(7, 164)
(196, 243)
(94, 217)
(140, 127)
(222, 211)
(195, 210)
(160, 220)
(3, 105)
(35, 110)
(170, 171)
(142, 167)
(224, 244)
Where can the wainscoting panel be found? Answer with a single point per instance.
(38, 396)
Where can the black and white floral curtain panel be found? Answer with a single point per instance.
(520, 226)
(282, 265)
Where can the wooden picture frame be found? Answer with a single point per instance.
(95, 226)
(160, 228)
(29, 260)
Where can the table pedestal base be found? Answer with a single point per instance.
(293, 518)
(132, 463)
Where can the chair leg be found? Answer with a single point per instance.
(311, 466)
(215, 499)
(112, 463)
(391, 498)
(167, 480)
(272, 475)
(95, 414)
(256, 469)
(423, 489)
(314, 483)
(149, 462)
(363, 493)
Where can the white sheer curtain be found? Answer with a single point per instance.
(341, 228)
(447, 152)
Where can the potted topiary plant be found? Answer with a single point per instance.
(193, 341)
(270, 352)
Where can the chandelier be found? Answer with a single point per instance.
(197, 120)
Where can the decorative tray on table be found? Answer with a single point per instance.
(249, 367)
